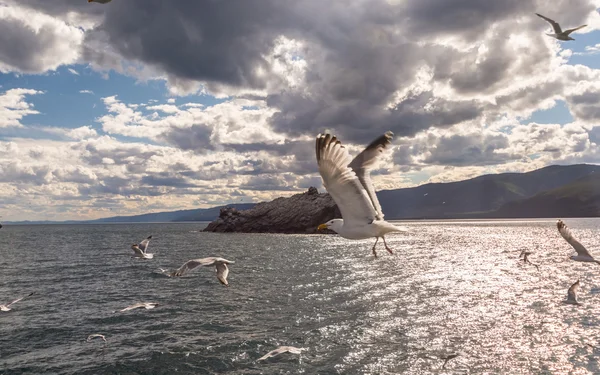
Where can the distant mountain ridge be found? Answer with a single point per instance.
(198, 214)
(553, 191)
(480, 196)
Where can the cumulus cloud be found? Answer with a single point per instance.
(34, 42)
(13, 107)
(456, 81)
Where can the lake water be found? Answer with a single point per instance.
(451, 287)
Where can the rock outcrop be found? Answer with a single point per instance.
(300, 213)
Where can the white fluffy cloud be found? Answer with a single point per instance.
(13, 107)
(459, 97)
(34, 42)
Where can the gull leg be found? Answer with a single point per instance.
(374, 252)
(386, 246)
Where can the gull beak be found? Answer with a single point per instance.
(322, 226)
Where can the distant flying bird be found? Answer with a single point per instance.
(280, 350)
(99, 1)
(146, 305)
(572, 294)
(558, 33)
(95, 335)
(582, 254)
(7, 306)
(219, 263)
(525, 254)
(140, 249)
(349, 184)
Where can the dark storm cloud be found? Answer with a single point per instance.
(22, 49)
(217, 41)
(585, 106)
(358, 55)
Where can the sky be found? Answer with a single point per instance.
(142, 106)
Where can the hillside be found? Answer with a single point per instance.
(198, 214)
(483, 194)
(581, 198)
(554, 191)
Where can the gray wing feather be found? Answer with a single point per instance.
(554, 24)
(144, 244)
(137, 250)
(364, 162)
(569, 31)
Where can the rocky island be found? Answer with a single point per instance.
(300, 213)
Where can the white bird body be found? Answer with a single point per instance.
(219, 263)
(146, 305)
(583, 255)
(280, 350)
(558, 32)
(572, 294)
(96, 335)
(7, 308)
(349, 184)
(141, 248)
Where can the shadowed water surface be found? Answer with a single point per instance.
(451, 287)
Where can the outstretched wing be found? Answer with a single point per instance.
(572, 292)
(566, 234)
(137, 250)
(554, 24)
(18, 299)
(569, 31)
(144, 244)
(364, 162)
(342, 183)
(192, 264)
(222, 273)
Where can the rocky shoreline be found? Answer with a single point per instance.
(300, 214)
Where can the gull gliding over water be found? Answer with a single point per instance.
(146, 305)
(280, 350)
(140, 249)
(582, 254)
(572, 294)
(558, 33)
(219, 263)
(95, 335)
(349, 184)
(7, 306)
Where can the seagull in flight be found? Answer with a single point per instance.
(582, 254)
(349, 184)
(95, 335)
(146, 305)
(572, 294)
(6, 307)
(558, 33)
(219, 263)
(140, 249)
(525, 254)
(99, 1)
(281, 350)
